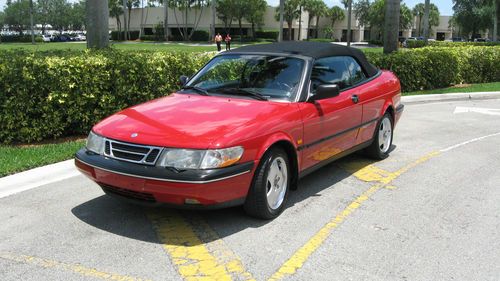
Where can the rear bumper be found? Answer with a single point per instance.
(152, 185)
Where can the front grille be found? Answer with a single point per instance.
(142, 196)
(135, 153)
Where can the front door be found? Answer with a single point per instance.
(330, 125)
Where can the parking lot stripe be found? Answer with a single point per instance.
(76, 268)
(195, 249)
(364, 172)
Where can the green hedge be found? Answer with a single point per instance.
(271, 34)
(19, 38)
(52, 94)
(431, 67)
(58, 93)
(461, 44)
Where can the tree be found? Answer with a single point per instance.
(335, 13)
(495, 4)
(290, 13)
(362, 11)
(16, 15)
(255, 13)
(185, 6)
(224, 10)
(130, 4)
(315, 8)
(115, 11)
(377, 16)
(240, 11)
(473, 16)
(59, 15)
(391, 26)
(97, 15)
(77, 15)
(418, 12)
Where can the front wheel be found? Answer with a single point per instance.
(382, 139)
(269, 191)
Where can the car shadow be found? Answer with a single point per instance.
(129, 220)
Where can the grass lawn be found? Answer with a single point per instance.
(132, 46)
(466, 88)
(15, 159)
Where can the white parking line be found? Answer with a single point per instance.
(37, 177)
(467, 142)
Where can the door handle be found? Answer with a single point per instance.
(355, 98)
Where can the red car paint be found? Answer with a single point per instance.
(201, 122)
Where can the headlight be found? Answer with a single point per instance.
(95, 143)
(200, 159)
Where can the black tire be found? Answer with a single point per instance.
(256, 203)
(377, 150)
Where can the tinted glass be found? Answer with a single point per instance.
(343, 71)
(275, 77)
(357, 74)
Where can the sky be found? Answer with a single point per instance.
(444, 6)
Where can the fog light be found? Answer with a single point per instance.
(191, 201)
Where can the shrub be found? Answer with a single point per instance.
(431, 67)
(461, 44)
(267, 34)
(375, 42)
(58, 93)
(19, 38)
(51, 94)
(120, 35)
(200, 35)
(412, 44)
(328, 40)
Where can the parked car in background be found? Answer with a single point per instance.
(245, 128)
(46, 38)
(81, 37)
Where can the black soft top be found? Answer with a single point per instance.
(310, 49)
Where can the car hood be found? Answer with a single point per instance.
(189, 121)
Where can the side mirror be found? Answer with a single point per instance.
(325, 91)
(183, 79)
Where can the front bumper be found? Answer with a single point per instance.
(153, 185)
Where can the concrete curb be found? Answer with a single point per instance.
(450, 97)
(37, 177)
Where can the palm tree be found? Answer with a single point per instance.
(290, 13)
(315, 8)
(391, 25)
(335, 13)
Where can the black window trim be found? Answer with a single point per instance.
(364, 81)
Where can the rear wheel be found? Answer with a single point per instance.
(382, 139)
(269, 191)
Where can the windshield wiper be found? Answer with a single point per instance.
(199, 90)
(242, 91)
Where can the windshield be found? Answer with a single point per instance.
(274, 77)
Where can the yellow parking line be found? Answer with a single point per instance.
(76, 268)
(195, 249)
(364, 172)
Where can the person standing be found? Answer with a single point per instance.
(218, 40)
(228, 42)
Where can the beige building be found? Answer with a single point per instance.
(147, 18)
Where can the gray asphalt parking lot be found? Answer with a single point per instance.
(428, 212)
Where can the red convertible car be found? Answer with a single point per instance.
(246, 128)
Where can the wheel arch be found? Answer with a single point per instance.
(284, 142)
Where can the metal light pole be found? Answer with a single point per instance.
(31, 23)
(282, 10)
(349, 12)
